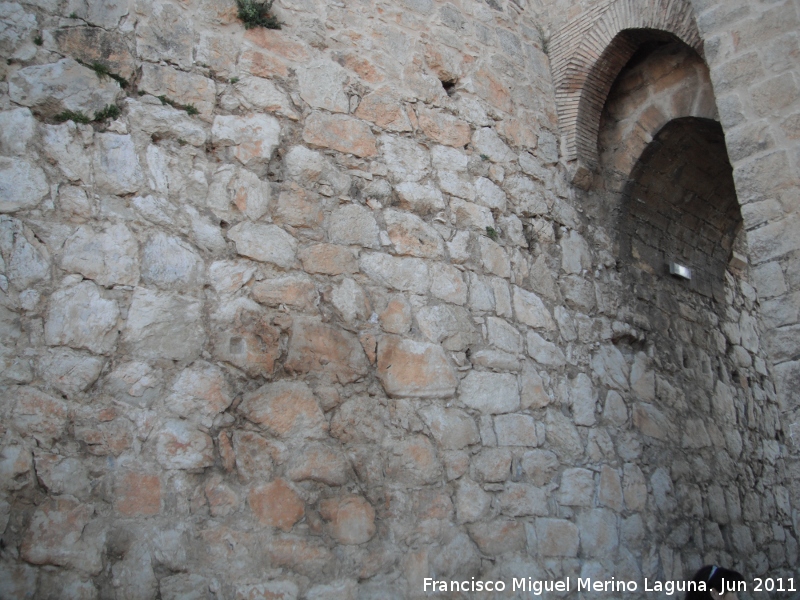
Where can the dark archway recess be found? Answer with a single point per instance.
(680, 205)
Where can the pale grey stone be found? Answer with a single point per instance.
(346, 589)
(562, 436)
(253, 137)
(109, 257)
(486, 141)
(599, 532)
(557, 537)
(610, 365)
(512, 229)
(481, 296)
(309, 167)
(266, 243)
(470, 215)
(24, 258)
(695, 435)
(577, 487)
(79, 317)
(166, 34)
(64, 145)
(17, 30)
(401, 273)
(262, 94)
(491, 465)
(489, 195)
(503, 335)
(643, 378)
(407, 160)
(179, 86)
(74, 202)
(69, 371)
(533, 392)
(421, 198)
(412, 461)
(583, 401)
(523, 500)
(445, 158)
(116, 165)
(769, 280)
(451, 183)
(62, 85)
(322, 85)
(206, 235)
(490, 393)
(544, 352)
(451, 325)
(614, 409)
(351, 302)
(575, 254)
(494, 258)
(164, 325)
(516, 430)
(136, 383)
(578, 293)
(502, 297)
(496, 360)
(530, 310)
(169, 262)
(528, 196)
(183, 586)
(448, 283)
(199, 393)
(452, 429)
(22, 185)
(353, 224)
(166, 121)
(661, 484)
(17, 127)
(472, 503)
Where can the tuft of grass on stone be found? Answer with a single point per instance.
(190, 109)
(491, 232)
(255, 13)
(109, 112)
(103, 71)
(234, 80)
(38, 40)
(72, 115)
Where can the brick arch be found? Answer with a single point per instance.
(588, 54)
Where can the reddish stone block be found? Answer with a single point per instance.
(276, 504)
(138, 494)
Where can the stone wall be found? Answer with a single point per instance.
(318, 315)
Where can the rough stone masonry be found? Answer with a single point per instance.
(324, 311)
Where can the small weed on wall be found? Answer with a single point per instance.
(257, 14)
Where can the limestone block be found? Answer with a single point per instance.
(491, 465)
(531, 310)
(577, 487)
(170, 263)
(266, 243)
(651, 421)
(109, 257)
(489, 195)
(276, 504)
(95, 44)
(494, 258)
(575, 254)
(58, 535)
(16, 38)
(562, 436)
(516, 430)
(179, 445)
(448, 283)
(609, 490)
(298, 207)
(443, 127)
(412, 236)
(340, 132)
(253, 456)
(472, 503)
(490, 393)
(296, 291)
(328, 259)
(253, 137)
(557, 537)
(420, 198)
(285, 409)
(599, 532)
(384, 108)
(469, 215)
(79, 317)
(24, 258)
(262, 94)
(404, 274)
(503, 335)
(450, 325)
(38, 415)
(62, 85)
(166, 121)
(486, 142)
(412, 461)
(451, 183)
(614, 409)
(322, 85)
(351, 519)
(353, 224)
(445, 158)
(499, 536)
(452, 429)
(533, 393)
(634, 487)
(319, 462)
(69, 371)
(167, 34)
(315, 347)
(695, 435)
(229, 276)
(17, 127)
(610, 365)
(583, 401)
(137, 494)
(309, 167)
(164, 325)
(527, 196)
(523, 500)
(116, 165)
(544, 352)
(408, 368)
(349, 299)
(407, 160)
(22, 185)
(179, 86)
(183, 586)
(199, 392)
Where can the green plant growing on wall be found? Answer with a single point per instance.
(72, 115)
(189, 108)
(109, 112)
(103, 71)
(491, 232)
(255, 13)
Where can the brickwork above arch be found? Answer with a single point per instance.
(589, 52)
